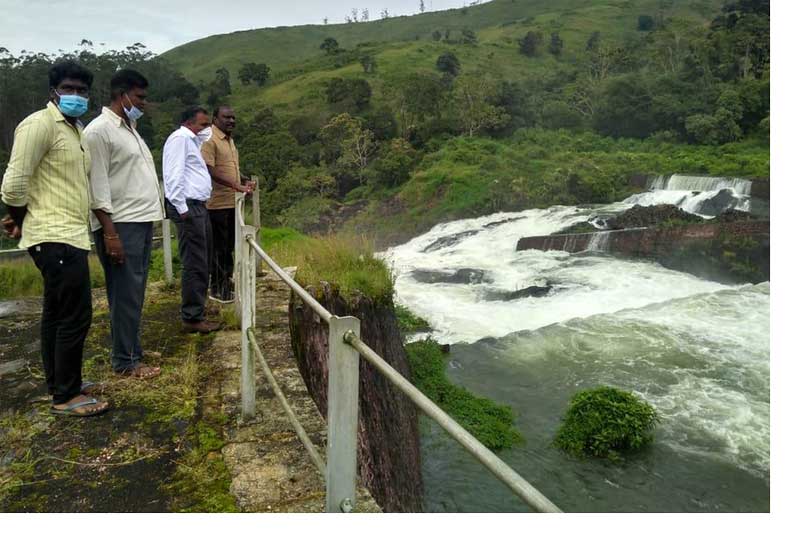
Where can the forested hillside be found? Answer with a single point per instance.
(396, 124)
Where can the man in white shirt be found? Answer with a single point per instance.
(126, 200)
(187, 188)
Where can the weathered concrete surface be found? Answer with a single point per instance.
(388, 431)
(718, 251)
(270, 469)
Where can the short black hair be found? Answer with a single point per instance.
(126, 80)
(69, 69)
(218, 109)
(191, 112)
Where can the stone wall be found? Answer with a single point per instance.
(388, 432)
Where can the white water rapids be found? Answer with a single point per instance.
(697, 350)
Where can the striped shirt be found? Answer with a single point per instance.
(48, 172)
(123, 177)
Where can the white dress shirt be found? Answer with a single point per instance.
(123, 179)
(185, 173)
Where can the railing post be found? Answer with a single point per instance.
(247, 291)
(167, 258)
(343, 360)
(260, 265)
(239, 241)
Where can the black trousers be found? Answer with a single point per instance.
(126, 289)
(195, 246)
(65, 317)
(222, 258)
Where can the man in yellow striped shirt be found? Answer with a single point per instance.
(46, 190)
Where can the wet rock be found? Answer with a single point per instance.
(530, 291)
(640, 217)
(721, 202)
(500, 222)
(449, 240)
(460, 276)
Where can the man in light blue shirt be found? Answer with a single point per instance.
(187, 188)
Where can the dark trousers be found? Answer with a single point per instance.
(222, 258)
(65, 316)
(126, 288)
(195, 246)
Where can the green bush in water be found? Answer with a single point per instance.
(604, 422)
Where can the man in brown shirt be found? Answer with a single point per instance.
(223, 163)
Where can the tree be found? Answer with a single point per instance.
(421, 6)
(258, 73)
(448, 63)
(220, 87)
(384, 14)
(415, 96)
(468, 37)
(645, 23)
(348, 94)
(393, 167)
(330, 46)
(348, 144)
(364, 15)
(368, 63)
(529, 45)
(593, 42)
(555, 45)
(472, 101)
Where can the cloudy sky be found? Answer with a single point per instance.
(50, 25)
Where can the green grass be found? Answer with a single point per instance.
(345, 261)
(21, 278)
(409, 322)
(490, 423)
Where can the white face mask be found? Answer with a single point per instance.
(133, 113)
(205, 134)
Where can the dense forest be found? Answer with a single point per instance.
(478, 112)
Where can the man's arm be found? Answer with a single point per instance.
(99, 189)
(174, 154)
(209, 152)
(31, 142)
(225, 181)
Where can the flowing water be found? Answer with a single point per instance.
(697, 350)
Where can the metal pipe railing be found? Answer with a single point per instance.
(499, 468)
(296, 424)
(344, 349)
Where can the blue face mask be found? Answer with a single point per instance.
(133, 113)
(72, 105)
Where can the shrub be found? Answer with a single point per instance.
(490, 423)
(604, 422)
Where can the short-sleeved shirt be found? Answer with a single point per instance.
(48, 173)
(123, 179)
(221, 153)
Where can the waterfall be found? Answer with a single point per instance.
(700, 184)
(599, 242)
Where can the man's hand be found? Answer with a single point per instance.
(114, 248)
(245, 188)
(184, 216)
(10, 227)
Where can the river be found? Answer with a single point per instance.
(697, 350)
